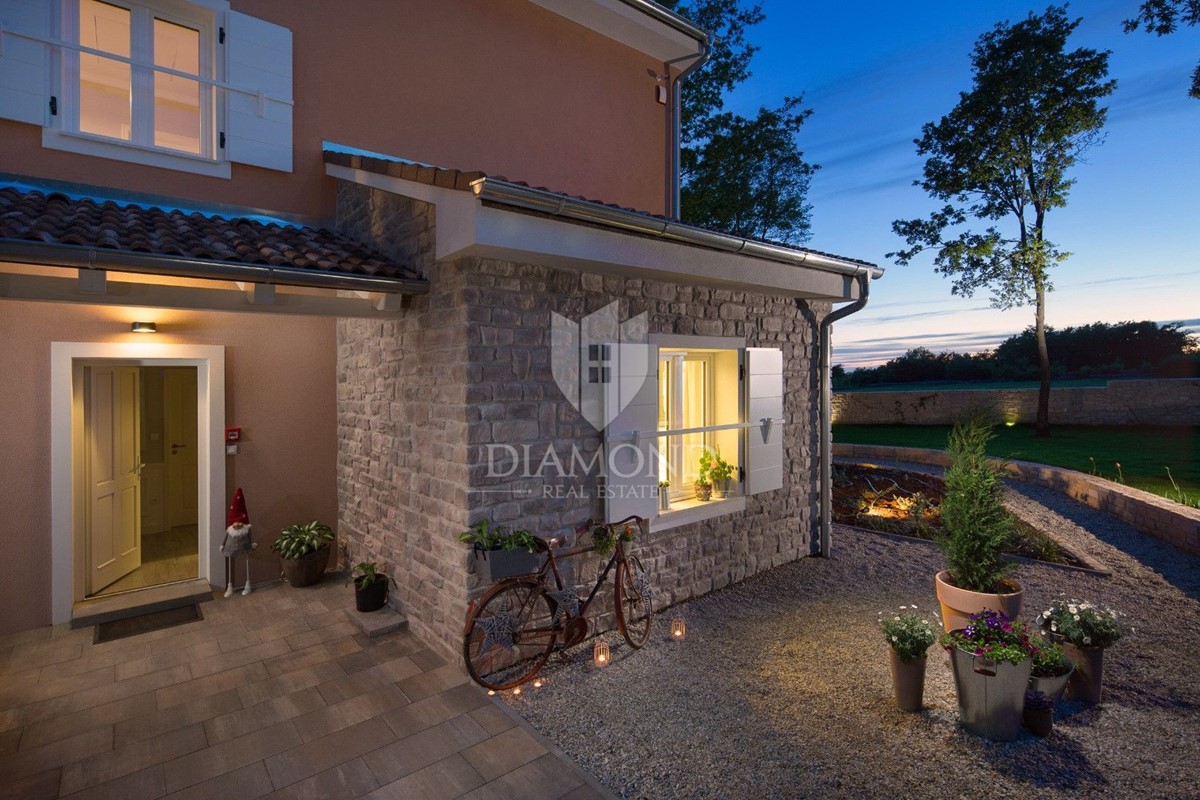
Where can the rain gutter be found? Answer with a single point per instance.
(66, 255)
(825, 403)
(559, 205)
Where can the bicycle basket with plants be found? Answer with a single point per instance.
(604, 538)
(500, 552)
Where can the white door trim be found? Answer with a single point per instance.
(209, 360)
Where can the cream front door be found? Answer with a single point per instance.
(181, 448)
(114, 474)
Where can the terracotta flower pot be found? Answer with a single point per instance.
(908, 681)
(1087, 680)
(959, 604)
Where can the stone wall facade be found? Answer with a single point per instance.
(1160, 401)
(420, 399)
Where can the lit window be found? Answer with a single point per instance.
(140, 85)
(698, 393)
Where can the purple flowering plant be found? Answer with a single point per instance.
(992, 635)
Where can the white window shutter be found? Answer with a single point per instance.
(764, 408)
(632, 466)
(24, 64)
(258, 125)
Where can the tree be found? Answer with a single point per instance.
(1165, 16)
(742, 175)
(1003, 153)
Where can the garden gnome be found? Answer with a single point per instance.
(237, 540)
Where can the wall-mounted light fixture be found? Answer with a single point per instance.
(144, 327)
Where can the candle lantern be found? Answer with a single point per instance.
(678, 628)
(600, 653)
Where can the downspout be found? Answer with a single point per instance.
(825, 371)
(673, 177)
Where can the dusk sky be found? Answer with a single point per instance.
(874, 73)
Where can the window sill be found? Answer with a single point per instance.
(685, 512)
(121, 151)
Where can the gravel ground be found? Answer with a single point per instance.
(781, 688)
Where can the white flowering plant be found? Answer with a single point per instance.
(908, 632)
(1082, 623)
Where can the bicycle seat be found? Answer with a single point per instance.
(549, 544)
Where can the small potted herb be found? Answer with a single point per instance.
(991, 658)
(720, 472)
(908, 635)
(1086, 630)
(499, 552)
(304, 550)
(1051, 670)
(603, 538)
(370, 586)
(703, 484)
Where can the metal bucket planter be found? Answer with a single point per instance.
(1051, 687)
(495, 565)
(991, 694)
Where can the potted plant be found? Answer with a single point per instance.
(703, 478)
(720, 472)
(603, 538)
(1038, 715)
(304, 550)
(976, 530)
(1086, 630)
(991, 657)
(908, 635)
(1051, 670)
(664, 495)
(370, 586)
(500, 552)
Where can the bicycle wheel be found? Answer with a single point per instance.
(634, 602)
(509, 636)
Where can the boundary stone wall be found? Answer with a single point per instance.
(1159, 401)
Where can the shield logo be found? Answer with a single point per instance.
(600, 363)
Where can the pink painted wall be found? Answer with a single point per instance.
(280, 388)
(501, 86)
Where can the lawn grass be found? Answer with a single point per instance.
(1144, 453)
(984, 386)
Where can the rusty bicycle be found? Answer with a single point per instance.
(512, 628)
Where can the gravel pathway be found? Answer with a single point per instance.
(781, 688)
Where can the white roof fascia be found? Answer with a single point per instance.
(632, 26)
(467, 227)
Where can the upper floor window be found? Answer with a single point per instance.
(138, 74)
(179, 84)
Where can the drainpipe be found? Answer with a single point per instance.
(825, 371)
(673, 178)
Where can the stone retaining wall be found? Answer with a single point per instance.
(1161, 401)
(1153, 515)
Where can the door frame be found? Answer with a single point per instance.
(67, 553)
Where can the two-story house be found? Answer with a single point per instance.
(352, 327)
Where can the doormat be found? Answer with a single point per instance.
(145, 623)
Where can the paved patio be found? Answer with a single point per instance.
(273, 695)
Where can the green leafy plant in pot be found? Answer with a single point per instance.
(1051, 671)
(304, 549)
(370, 586)
(976, 530)
(1085, 630)
(908, 635)
(500, 552)
(991, 657)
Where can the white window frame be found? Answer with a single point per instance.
(63, 131)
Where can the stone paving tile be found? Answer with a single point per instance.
(442, 780)
(41, 654)
(137, 756)
(50, 730)
(310, 656)
(349, 712)
(237, 658)
(546, 778)
(422, 749)
(42, 786)
(211, 684)
(247, 783)
(272, 712)
(229, 755)
(146, 784)
(166, 659)
(429, 683)
(343, 782)
(10, 740)
(101, 695)
(26, 692)
(338, 630)
(582, 792)
(503, 753)
(91, 660)
(179, 716)
(319, 755)
(493, 719)
(435, 709)
(56, 754)
(365, 680)
(288, 682)
(427, 659)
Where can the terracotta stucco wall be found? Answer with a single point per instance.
(502, 86)
(279, 374)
